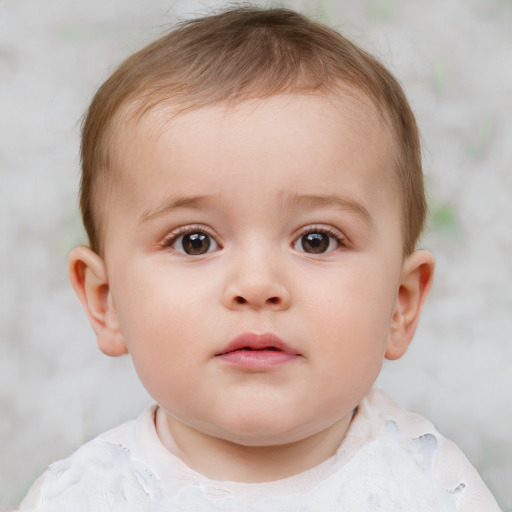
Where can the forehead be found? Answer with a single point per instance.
(289, 142)
(308, 114)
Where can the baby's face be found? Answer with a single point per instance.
(254, 257)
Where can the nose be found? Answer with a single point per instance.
(255, 283)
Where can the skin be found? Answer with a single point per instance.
(255, 178)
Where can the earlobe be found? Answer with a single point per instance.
(88, 275)
(416, 281)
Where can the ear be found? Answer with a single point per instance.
(88, 275)
(415, 283)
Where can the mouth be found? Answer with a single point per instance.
(257, 352)
(257, 342)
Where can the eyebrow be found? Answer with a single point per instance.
(311, 201)
(286, 201)
(172, 204)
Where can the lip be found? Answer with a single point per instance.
(257, 352)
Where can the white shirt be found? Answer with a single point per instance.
(390, 460)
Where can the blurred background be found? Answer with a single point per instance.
(454, 58)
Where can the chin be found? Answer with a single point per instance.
(256, 432)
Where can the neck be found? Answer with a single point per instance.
(221, 459)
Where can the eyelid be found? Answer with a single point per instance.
(321, 228)
(171, 238)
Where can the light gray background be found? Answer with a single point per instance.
(454, 58)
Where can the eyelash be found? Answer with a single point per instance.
(187, 230)
(171, 239)
(328, 230)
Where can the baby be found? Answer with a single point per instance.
(253, 195)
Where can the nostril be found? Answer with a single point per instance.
(274, 301)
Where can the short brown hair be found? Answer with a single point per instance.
(241, 53)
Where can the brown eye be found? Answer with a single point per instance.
(194, 244)
(316, 242)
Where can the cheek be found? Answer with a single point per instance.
(167, 319)
(150, 297)
(352, 309)
(150, 311)
(358, 294)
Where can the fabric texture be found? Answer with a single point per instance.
(390, 460)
